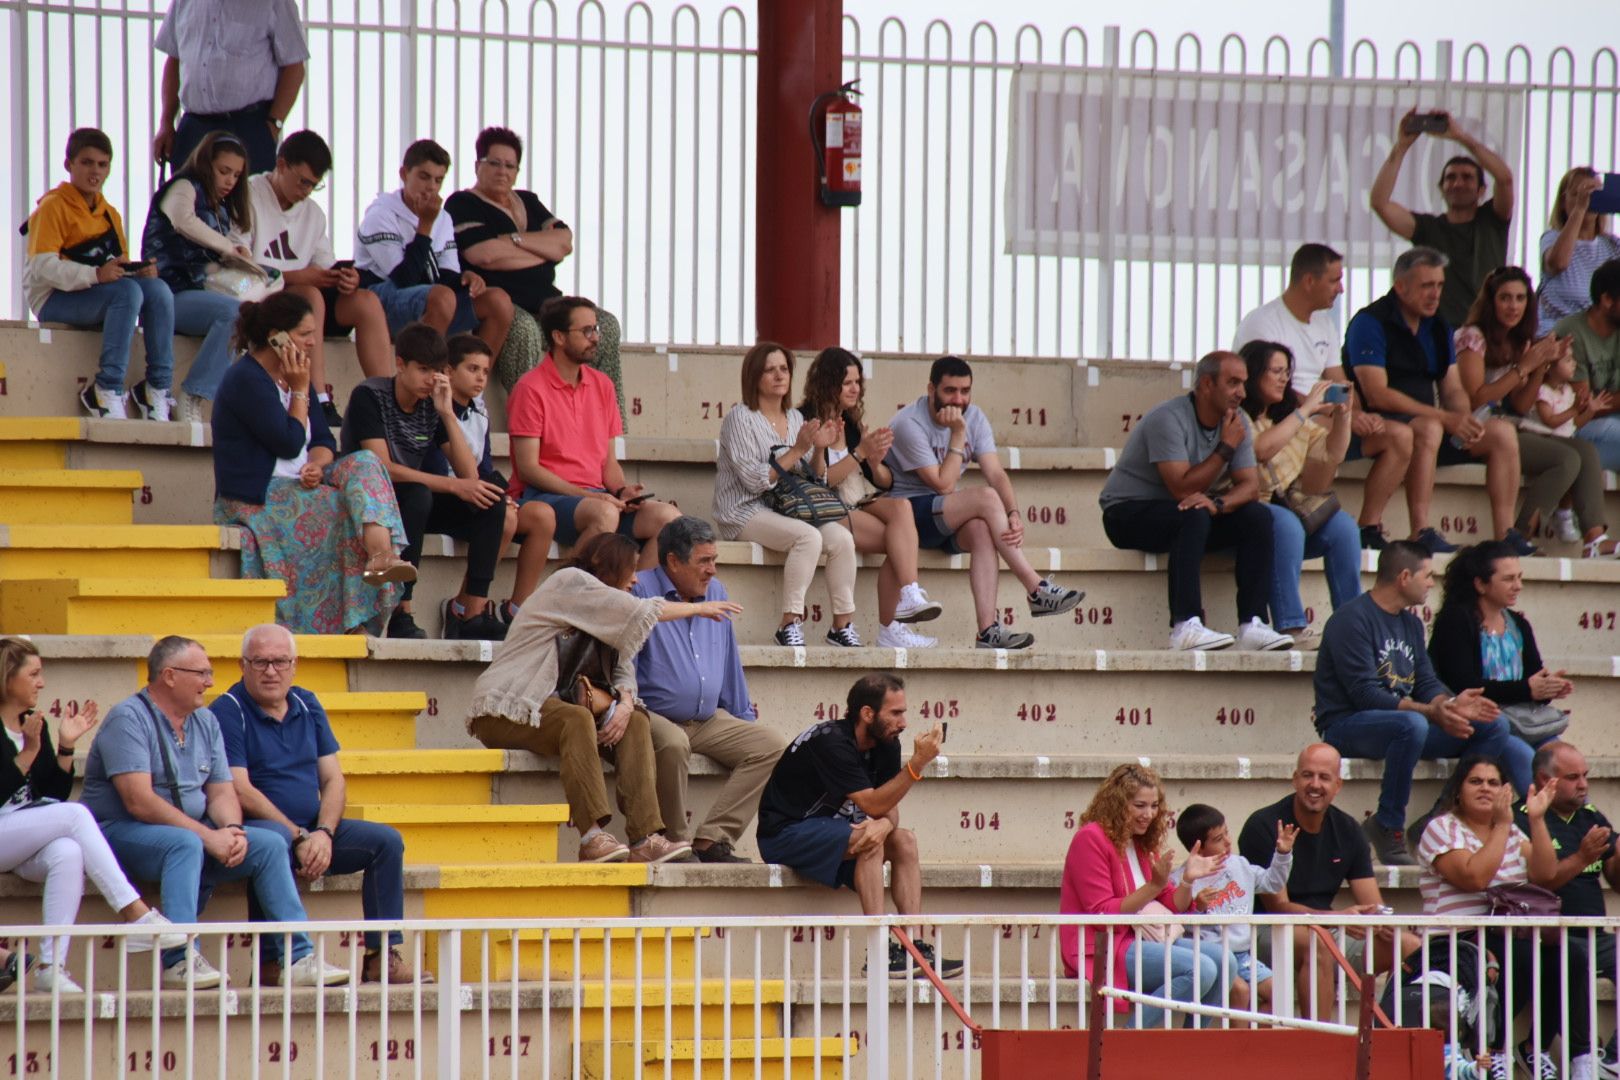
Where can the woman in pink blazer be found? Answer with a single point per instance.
(1128, 820)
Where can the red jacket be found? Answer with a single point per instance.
(1094, 883)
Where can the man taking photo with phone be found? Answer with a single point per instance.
(1471, 234)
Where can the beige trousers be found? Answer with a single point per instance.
(745, 747)
(803, 544)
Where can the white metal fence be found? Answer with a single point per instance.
(640, 125)
(543, 998)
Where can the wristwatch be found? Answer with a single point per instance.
(299, 839)
(517, 239)
(1220, 504)
(273, 122)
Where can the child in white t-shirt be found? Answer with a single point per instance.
(1556, 412)
(1231, 890)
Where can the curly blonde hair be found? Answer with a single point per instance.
(1110, 807)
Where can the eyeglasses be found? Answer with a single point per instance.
(307, 185)
(504, 166)
(262, 664)
(200, 672)
(587, 331)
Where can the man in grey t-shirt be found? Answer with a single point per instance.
(1186, 484)
(934, 439)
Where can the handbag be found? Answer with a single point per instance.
(1523, 900)
(1536, 721)
(242, 280)
(1165, 932)
(855, 490)
(1313, 510)
(585, 673)
(802, 497)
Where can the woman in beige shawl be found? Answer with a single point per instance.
(515, 704)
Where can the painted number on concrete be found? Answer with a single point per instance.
(1234, 717)
(979, 822)
(960, 1042)
(1465, 526)
(1037, 713)
(1069, 820)
(395, 1050)
(1596, 620)
(1128, 421)
(1046, 515)
(68, 707)
(506, 1046)
(941, 710)
(1028, 417)
(146, 495)
(635, 406)
(1094, 616)
(433, 706)
(139, 1061)
(1134, 717)
(716, 410)
(828, 710)
(31, 1061)
(276, 1052)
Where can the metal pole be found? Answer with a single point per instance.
(1111, 121)
(1336, 37)
(21, 176)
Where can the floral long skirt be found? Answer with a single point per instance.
(311, 539)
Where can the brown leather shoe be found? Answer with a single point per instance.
(399, 969)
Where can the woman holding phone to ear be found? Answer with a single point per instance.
(1299, 443)
(330, 529)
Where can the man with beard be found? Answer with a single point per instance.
(831, 809)
(1330, 851)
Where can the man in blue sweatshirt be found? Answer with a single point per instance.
(1377, 696)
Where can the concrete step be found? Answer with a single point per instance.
(124, 551)
(103, 605)
(475, 833)
(404, 777)
(374, 721)
(55, 496)
(689, 1058)
(37, 442)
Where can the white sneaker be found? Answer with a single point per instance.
(1193, 634)
(1564, 527)
(897, 635)
(915, 606)
(103, 404)
(204, 975)
(313, 971)
(160, 939)
(152, 404)
(190, 409)
(48, 977)
(1583, 1067)
(1256, 636)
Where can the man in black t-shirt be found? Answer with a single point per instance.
(1583, 839)
(393, 418)
(1330, 852)
(831, 809)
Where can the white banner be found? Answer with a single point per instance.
(1224, 168)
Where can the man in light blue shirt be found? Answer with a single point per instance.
(690, 674)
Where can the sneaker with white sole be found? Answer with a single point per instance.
(152, 404)
(658, 848)
(313, 971)
(1537, 1064)
(1051, 599)
(203, 975)
(1256, 636)
(1564, 527)
(897, 635)
(49, 977)
(845, 637)
(792, 635)
(1191, 634)
(602, 847)
(996, 636)
(915, 606)
(190, 408)
(159, 938)
(103, 404)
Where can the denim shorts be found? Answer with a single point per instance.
(928, 511)
(816, 847)
(403, 306)
(565, 505)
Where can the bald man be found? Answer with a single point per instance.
(1330, 852)
(284, 766)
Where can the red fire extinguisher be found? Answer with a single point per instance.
(835, 131)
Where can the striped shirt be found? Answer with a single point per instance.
(1448, 833)
(1308, 444)
(743, 472)
(1569, 290)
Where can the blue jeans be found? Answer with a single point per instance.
(1337, 544)
(1604, 433)
(360, 847)
(212, 317)
(186, 875)
(115, 306)
(1192, 964)
(1403, 738)
(405, 305)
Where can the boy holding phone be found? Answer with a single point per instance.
(79, 272)
(563, 416)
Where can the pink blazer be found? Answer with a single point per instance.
(1094, 883)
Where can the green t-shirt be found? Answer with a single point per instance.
(1597, 359)
(1475, 248)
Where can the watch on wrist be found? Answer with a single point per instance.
(1220, 504)
(324, 829)
(275, 123)
(299, 839)
(1226, 452)
(517, 239)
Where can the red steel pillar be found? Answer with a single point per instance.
(796, 243)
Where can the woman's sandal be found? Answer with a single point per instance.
(1601, 548)
(388, 569)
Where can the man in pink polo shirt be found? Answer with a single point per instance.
(563, 416)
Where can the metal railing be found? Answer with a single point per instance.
(640, 126)
(547, 998)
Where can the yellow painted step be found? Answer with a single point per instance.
(67, 496)
(380, 720)
(37, 442)
(713, 1000)
(598, 955)
(477, 833)
(133, 606)
(103, 551)
(437, 777)
(323, 659)
(778, 1058)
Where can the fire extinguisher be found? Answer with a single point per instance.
(837, 139)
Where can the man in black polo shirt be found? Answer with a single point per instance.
(1585, 843)
(1399, 354)
(1330, 851)
(831, 809)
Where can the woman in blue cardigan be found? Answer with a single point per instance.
(329, 529)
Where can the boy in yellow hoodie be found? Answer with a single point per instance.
(79, 272)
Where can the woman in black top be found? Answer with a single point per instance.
(834, 389)
(1479, 641)
(509, 237)
(44, 837)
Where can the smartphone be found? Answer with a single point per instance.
(1429, 123)
(280, 340)
(639, 499)
(343, 264)
(1337, 394)
(944, 731)
(1606, 200)
(136, 267)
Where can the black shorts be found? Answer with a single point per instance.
(928, 511)
(333, 328)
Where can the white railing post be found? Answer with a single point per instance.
(1105, 195)
(407, 74)
(449, 1011)
(1283, 967)
(20, 174)
(877, 1003)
